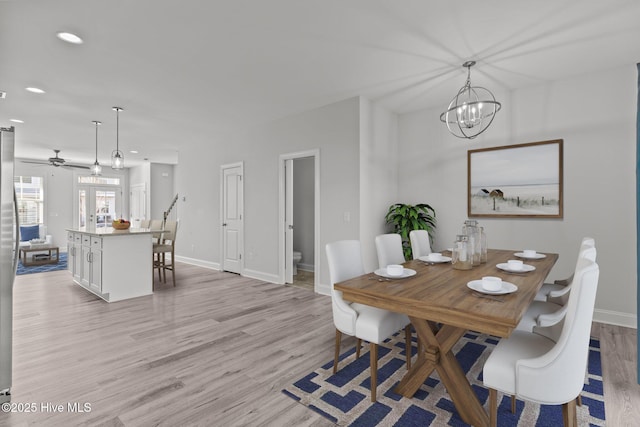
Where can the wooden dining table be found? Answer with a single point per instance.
(442, 308)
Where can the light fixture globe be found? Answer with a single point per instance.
(117, 157)
(472, 110)
(96, 169)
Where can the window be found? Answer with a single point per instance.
(30, 195)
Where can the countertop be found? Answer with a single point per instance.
(109, 231)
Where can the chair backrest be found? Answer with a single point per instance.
(345, 262)
(558, 376)
(588, 251)
(170, 231)
(562, 296)
(389, 249)
(156, 225)
(420, 243)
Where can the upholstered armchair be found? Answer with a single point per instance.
(34, 231)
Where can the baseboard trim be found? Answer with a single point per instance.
(324, 289)
(615, 318)
(306, 267)
(259, 275)
(198, 262)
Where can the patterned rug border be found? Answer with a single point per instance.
(344, 398)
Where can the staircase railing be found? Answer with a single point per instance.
(168, 211)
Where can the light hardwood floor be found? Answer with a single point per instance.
(214, 351)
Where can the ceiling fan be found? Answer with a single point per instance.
(56, 161)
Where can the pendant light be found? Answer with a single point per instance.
(96, 169)
(472, 110)
(117, 158)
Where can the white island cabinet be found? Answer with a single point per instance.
(113, 264)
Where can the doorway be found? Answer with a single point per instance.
(299, 218)
(97, 206)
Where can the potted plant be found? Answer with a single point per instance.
(404, 218)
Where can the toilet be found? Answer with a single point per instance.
(297, 257)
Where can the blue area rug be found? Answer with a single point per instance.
(344, 398)
(61, 265)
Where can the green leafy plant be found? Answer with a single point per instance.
(404, 218)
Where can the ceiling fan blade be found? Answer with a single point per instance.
(67, 165)
(35, 162)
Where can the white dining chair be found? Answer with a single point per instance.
(545, 369)
(389, 249)
(548, 313)
(558, 290)
(364, 322)
(420, 243)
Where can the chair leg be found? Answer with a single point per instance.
(358, 345)
(173, 269)
(407, 344)
(513, 404)
(493, 407)
(164, 270)
(569, 415)
(579, 400)
(373, 351)
(336, 355)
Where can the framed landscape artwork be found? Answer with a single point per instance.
(515, 181)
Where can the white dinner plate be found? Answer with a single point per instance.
(407, 272)
(507, 288)
(525, 268)
(442, 259)
(537, 256)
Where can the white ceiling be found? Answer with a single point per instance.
(186, 71)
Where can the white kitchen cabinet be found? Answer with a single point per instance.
(74, 254)
(113, 264)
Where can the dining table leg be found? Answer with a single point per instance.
(437, 343)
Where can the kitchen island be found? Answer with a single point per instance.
(112, 264)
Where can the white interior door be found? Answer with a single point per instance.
(288, 218)
(232, 214)
(138, 203)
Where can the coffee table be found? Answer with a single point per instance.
(51, 257)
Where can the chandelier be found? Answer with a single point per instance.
(96, 169)
(472, 110)
(117, 158)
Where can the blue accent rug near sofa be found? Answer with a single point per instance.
(61, 265)
(344, 397)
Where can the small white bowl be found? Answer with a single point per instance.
(529, 253)
(395, 270)
(435, 256)
(515, 264)
(491, 283)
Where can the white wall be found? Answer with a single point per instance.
(332, 129)
(595, 116)
(161, 191)
(378, 174)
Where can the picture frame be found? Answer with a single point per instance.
(516, 181)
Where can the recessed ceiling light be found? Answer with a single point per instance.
(16, 121)
(69, 38)
(134, 151)
(35, 89)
